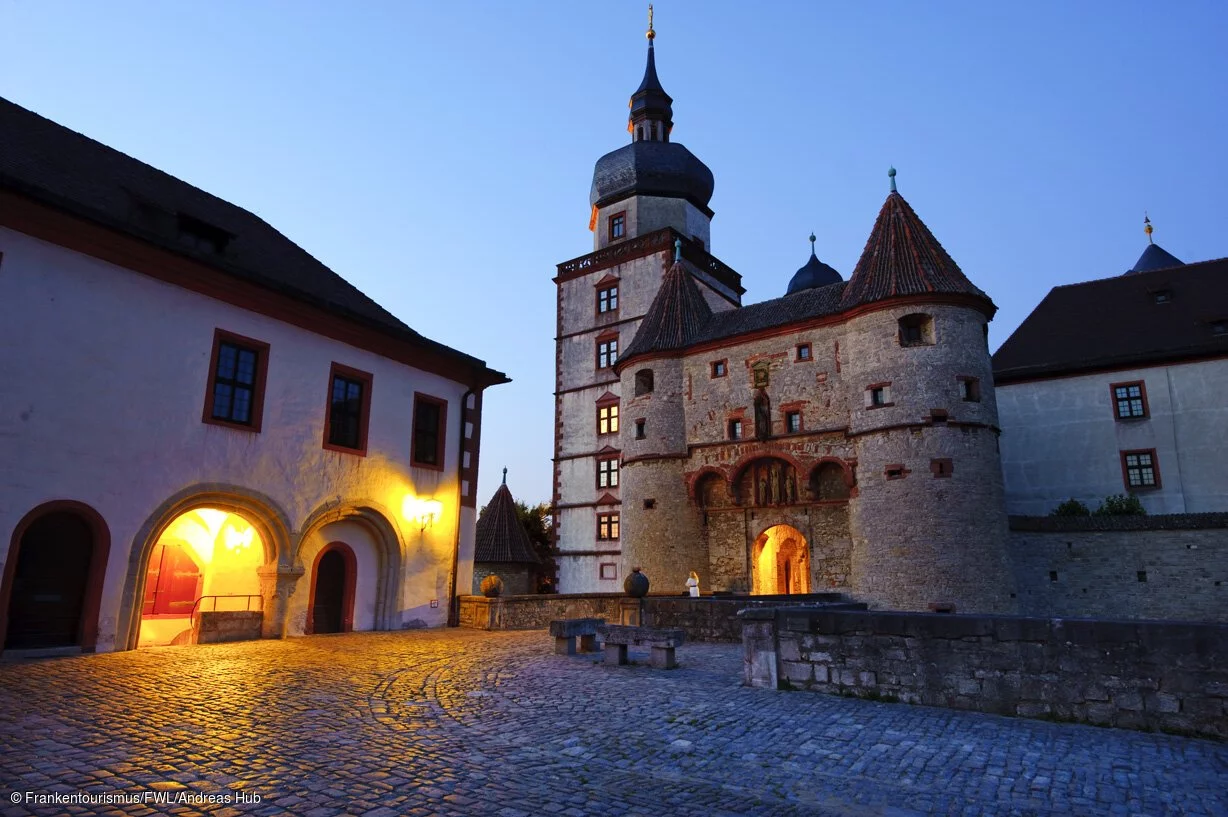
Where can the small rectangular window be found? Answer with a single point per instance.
(607, 353)
(235, 395)
(607, 526)
(607, 473)
(349, 407)
(942, 467)
(719, 368)
(735, 429)
(607, 300)
(607, 419)
(793, 421)
(970, 389)
(895, 472)
(1140, 469)
(430, 421)
(878, 395)
(1163, 296)
(1129, 400)
(803, 351)
(618, 226)
(640, 430)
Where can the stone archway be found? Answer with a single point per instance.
(780, 562)
(270, 525)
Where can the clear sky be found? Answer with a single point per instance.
(439, 155)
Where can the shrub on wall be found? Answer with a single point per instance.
(1071, 507)
(1121, 505)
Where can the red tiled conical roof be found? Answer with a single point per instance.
(902, 257)
(677, 318)
(500, 536)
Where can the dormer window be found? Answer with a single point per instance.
(201, 236)
(1219, 327)
(1162, 296)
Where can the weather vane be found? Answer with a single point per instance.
(1147, 227)
(651, 34)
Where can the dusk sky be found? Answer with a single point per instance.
(439, 155)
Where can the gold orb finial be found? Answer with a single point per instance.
(651, 35)
(1147, 227)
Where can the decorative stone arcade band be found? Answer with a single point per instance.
(769, 481)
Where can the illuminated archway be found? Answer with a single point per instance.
(780, 562)
(205, 560)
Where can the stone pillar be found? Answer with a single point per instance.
(759, 665)
(277, 584)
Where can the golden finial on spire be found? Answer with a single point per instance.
(1147, 227)
(651, 35)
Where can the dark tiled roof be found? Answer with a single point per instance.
(69, 171)
(500, 537)
(646, 168)
(650, 99)
(1120, 321)
(814, 274)
(902, 257)
(809, 303)
(675, 319)
(1153, 258)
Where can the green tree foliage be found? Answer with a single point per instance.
(1071, 507)
(1121, 505)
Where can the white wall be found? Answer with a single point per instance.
(105, 373)
(1060, 439)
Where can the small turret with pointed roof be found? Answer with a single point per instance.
(1154, 256)
(500, 538)
(677, 316)
(902, 257)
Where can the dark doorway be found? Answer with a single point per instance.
(329, 594)
(49, 584)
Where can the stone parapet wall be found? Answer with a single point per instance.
(1132, 674)
(708, 618)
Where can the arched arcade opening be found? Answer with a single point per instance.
(780, 562)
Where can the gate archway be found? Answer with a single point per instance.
(780, 562)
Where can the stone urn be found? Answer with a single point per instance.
(636, 585)
(492, 587)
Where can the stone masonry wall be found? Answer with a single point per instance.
(1140, 674)
(229, 625)
(1162, 573)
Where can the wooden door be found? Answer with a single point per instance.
(48, 595)
(328, 605)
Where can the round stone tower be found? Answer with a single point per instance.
(658, 521)
(929, 524)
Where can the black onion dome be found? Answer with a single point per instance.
(647, 168)
(813, 275)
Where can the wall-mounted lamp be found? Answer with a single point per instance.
(424, 512)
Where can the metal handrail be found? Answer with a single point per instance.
(247, 604)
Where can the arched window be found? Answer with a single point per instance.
(643, 382)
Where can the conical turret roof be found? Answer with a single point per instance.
(1153, 258)
(677, 317)
(902, 257)
(500, 537)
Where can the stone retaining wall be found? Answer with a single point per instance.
(1134, 674)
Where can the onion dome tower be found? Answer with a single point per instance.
(653, 181)
(813, 274)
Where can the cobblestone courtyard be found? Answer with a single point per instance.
(460, 722)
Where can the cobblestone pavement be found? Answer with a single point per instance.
(459, 722)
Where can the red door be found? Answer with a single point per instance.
(173, 582)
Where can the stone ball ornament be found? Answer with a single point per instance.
(492, 587)
(636, 584)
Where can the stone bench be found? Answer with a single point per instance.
(565, 631)
(663, 641)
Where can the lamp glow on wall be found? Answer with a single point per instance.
(424, 512)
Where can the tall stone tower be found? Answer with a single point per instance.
(929, 524)
(646, 196)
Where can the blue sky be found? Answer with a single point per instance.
(439, 155)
